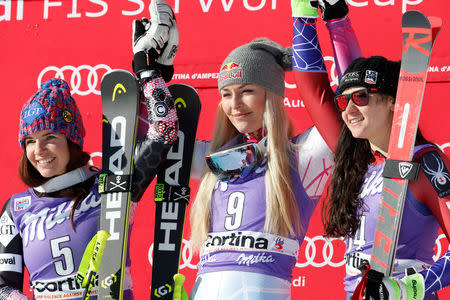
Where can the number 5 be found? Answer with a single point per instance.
(64, 266)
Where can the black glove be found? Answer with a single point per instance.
(333, 9)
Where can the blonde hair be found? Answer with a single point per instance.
(282, 212)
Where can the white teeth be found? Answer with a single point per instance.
(355, 120)
(44, 161)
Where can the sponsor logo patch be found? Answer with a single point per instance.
(249, 241)
(230, 70)
(434, 168)
(22, 203)
(8, 229)
(371, 77)
(404, 168)
(10, 262)
(229, 66)
(350, 77)
(32, 112)
(67, 116)
(60, 288)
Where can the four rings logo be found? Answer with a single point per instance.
(83, 80)
(315, 251)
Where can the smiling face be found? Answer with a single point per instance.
(244, 106)
(48, 152)
(372, 121)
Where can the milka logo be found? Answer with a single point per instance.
(254, 259)
(373, 184)
(46, 219)
(206, 259)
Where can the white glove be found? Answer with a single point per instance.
(155, 34)
(155, 42)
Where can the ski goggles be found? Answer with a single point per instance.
(359, 97)
(238, 161)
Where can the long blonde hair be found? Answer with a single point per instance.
(282, 213)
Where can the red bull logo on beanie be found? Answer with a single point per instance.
(229, 66)
(230, 70)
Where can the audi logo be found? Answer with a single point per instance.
(312, 252)
(84, 79)
(316, 252)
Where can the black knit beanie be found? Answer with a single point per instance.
(376, 73)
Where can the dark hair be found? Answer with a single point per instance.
(342, 205)
(78, 158)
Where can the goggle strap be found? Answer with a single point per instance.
(262, 144)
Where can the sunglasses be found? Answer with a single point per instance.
(359, 97)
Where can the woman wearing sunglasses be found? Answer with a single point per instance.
(366, 102)
(263, 182)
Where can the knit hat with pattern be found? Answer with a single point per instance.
(52, 108)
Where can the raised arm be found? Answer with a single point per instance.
(155, 43)
(309, 68)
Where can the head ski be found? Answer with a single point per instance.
(172, 194)
(120, 100)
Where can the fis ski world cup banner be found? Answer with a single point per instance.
(81, 40)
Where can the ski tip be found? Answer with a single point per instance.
(182, 85)
(414, 18)
(119, 71)
(113, 73)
